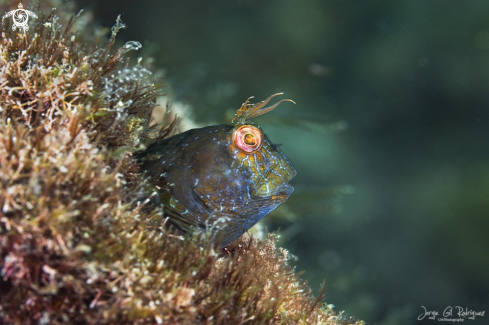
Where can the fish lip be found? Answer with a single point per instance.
(286, 190)
(283, 192)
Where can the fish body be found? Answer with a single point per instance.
(222, 178)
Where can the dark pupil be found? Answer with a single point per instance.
(249, 139)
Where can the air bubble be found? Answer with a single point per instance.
(130, 46)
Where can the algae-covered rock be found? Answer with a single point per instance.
(78, 243)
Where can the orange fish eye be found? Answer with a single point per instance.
(248, 138)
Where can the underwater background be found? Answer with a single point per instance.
(389, 135)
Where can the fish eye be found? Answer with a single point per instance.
(248, 138)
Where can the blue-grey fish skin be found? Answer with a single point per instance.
(205, 181)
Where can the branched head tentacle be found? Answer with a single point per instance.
(249, 111)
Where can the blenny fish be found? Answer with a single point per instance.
(222, 178)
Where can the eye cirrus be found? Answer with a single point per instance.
(248, 138)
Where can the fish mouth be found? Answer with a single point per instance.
(286, 190)
(275, 184)
(283, 192)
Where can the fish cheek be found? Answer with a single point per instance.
(276, 174)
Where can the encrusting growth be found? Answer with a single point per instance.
(78, 243)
